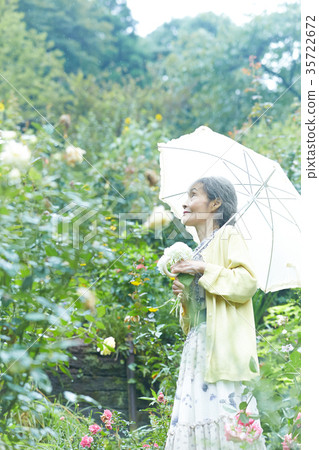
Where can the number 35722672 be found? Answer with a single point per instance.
(310, 45)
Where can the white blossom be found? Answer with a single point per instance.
(15, 154)
(281, 320)
(108, 342)
(88, 296)
(287, 348)
(7, 135)
(176, 252)
(73, 155)
(14, 177)
(159, 217)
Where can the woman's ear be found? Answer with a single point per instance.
(215, 204)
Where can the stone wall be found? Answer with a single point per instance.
(103, 378)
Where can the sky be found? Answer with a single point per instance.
(150, 14)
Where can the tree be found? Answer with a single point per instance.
(199, 67)
(29, 70)
(93, 35)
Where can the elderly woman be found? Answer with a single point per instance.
(217, 316)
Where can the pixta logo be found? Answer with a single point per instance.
(67, 223)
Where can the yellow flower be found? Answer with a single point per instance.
(153, 309)
(127, 120)
(1, 106)
(136, 282)
(112, 228)
(159, 117)
(82, 264)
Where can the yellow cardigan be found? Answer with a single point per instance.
(229, 282)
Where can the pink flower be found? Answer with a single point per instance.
(298, 418)
(237, 431)
(146, 446)
(156, 445)
(161, 398)
(288, 442)
(140, 266)
(62, 418)
(94, 428)
(107, 419)
(86, 441)
(107, 413)
(250, 421)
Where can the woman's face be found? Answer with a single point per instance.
(197, 208)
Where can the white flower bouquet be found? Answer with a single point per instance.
(172, 255)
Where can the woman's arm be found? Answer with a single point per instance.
(236, 282)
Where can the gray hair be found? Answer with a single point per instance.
(219, 187)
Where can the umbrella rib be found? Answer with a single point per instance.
(287, 210)
(209, 154)
(293, 196)
(253, 200)
(244, 186)
(251, 190)
(271, 217)
(293, 222)
(272, 242)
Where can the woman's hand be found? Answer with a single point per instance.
(192, 267)
(178, 287)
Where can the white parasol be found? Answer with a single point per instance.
(268, 203)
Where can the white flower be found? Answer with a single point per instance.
(284, 331)
(108, 342)
(159, 217)
(287, 348)
(281, 320)
(7, 135)
(15, 155)
(14, 177)
(74, 155)
(176, 252)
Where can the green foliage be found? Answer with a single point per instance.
(93, 36)
(29, 67)
(277, 389)
(63, 279)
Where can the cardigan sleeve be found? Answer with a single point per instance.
(236, 282)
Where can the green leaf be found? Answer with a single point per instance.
(50, 251)
(244, 418)
(230, 409)
(34, 175)
(35, 317)
(27, 283)
(100, 311)
(243, 406)
(186, 279)
(70, 396)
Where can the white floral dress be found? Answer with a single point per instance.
(199, 416)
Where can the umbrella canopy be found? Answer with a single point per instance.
(268, 204)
